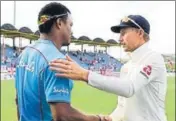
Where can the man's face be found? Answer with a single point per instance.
(129, 39)
(66, 31)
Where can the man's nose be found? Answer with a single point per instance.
(121, 39)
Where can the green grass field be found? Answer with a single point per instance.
(84, 98)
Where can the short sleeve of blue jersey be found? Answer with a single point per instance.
(57, 89)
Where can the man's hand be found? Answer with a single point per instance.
(69, 69)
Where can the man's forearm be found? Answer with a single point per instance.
(75, 118)
(75, 115)
(115, 85)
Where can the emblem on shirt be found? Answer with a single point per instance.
(62, 90)
(146, 71)
(27, 66)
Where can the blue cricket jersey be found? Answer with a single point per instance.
(36, 84)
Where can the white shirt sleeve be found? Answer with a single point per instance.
(140, 76)
(110, 84)
(118, 113)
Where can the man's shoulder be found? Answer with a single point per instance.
(48, 51)
(156, 60)
(156, 57)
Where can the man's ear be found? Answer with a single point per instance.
(141, 33)
(58, 23)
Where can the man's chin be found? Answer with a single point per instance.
(125, 49)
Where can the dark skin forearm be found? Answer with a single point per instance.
(75, 118)
(72, 114)
(75, 115)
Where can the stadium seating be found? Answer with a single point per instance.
(85, 59)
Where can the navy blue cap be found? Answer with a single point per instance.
(136, 21)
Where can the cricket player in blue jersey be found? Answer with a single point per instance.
(42, 96)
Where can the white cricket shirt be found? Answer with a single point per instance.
(143, 83)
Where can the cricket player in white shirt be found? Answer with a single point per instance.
(142, 84)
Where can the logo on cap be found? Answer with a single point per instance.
(125, 19)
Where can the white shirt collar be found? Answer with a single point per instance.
(136, 54)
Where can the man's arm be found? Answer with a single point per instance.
(58, 95)
(141, 75)
(64, 112)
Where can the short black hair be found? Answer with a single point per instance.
(52, 9)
